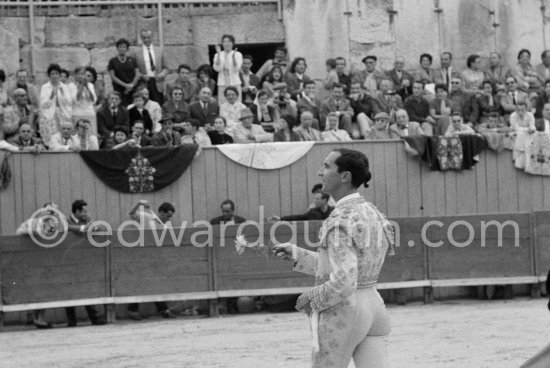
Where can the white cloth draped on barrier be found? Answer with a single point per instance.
(266, 156)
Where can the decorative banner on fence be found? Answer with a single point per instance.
(266, 156)
(140, 170)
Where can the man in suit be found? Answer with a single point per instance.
(364, 108)
(401, 79)
(496, 72)
(542, 99)
(249, 82)
(463, 101)
(17, 114)
(419, 109)
(543, 69)
(228, 216)
(543, 124)
(21, 81)
(167, 137)
(305, 130)
(152, 66)
(307, 101)
(443, 75)
(405, 128)
(205, 109)
(340, 105)
(25, 140)
(109, 116)
(512, 95)
(79, 223)
(138, 134)
(387, 99)
(321, 211)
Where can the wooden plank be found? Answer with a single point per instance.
(241, 183)
(8, 223)
(285, 191)
(429, 186)
(231, 179)
(414, 186)
(526, 194)
(537, 193)
(184, 204)
(466, 197)
(60, 180)
(15, 190)
(485, 281)
(254, 199)
(213, 197)
(449, 195)
(300, 190)
(492, 178)
(391, 176)
(222, 180)
(42, 177)
(28, 187)
(270, 197)
(402, 180)
(198, 186)
(379, 177)
(481, 184)
(546, 193)
(507, 183)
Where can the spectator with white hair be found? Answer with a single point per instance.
(332, 133)
(22, 81)
(17, 114)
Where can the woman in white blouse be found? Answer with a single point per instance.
(227, 63)
(232, 107)
(523, 123)
(56, 104)
(84, 98)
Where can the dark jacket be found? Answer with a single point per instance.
(106, 121)
(279, 136)
(219, 220)
(144, 116)
(205, 117)
(217, 138)
(312, 214)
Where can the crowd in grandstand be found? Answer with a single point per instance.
(278, 103)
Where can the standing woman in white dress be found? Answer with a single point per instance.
(227, 63)
(84, 98)
(56, 104)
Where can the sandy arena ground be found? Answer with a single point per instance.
(452, 334)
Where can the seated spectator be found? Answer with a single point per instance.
(305, 130)
(167, 137)
(525, 74)
(343, 78)
(364, 108)
(445, 73)
(369, 78)
(543, 69)
(5, 99)
(65, 76)
(121, 138)
(194, 135)
(56, 105)
(405, 128)
(152, 107)
(425, 73)
(458, 127)
(124, 72)
(65, 140)
(543, 124)
(321, 211)
(419, 109)
(232, 107)
(387, 99)
(522, 119)
(463, 101)
(264, 113)
(99, 87)
(249, 82)
(473, 76)
(246, 132)
(338, 104)
(275, 77)
(282, 101)
(402, 80)
(496, 72)
(176, 106)
(79, 222)
(22, 81)
(331, 77)
(205, 109)
(17, 114)
(296, 77)
(218, 134)
(542, 99)
(440, 110)
(137, 111)
(380, 129)
(85, 139)
(84, 98)
(512, 96)
(109, 116)
(333, 134)
(228, 216)
(308, 101)
(285, 132)
(205, 79)
(488, 102)
(25, 140)
(189, 88)
(138, 135)
(279, 60)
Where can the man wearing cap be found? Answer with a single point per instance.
(340, 105)
(246, 132)
(167, 137)
(195, 135)
(282, 101)
(206, 109)
(17, 114)
(380, 129)
(370, 77)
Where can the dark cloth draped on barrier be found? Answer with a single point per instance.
(140, 170)
(448, 153)
(5, 170)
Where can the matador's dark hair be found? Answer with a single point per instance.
(356, 163)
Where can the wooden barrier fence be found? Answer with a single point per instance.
(431, 252)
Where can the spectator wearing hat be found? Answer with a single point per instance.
(458, 127)
(218, 135)
(194, 135)
(380, 128)
(370, 77)
(282, 101)
(338, 104)
(285, 132)
(332, 133)
(17, 114)
(247, 132)
(205, 109)
(167, 137)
